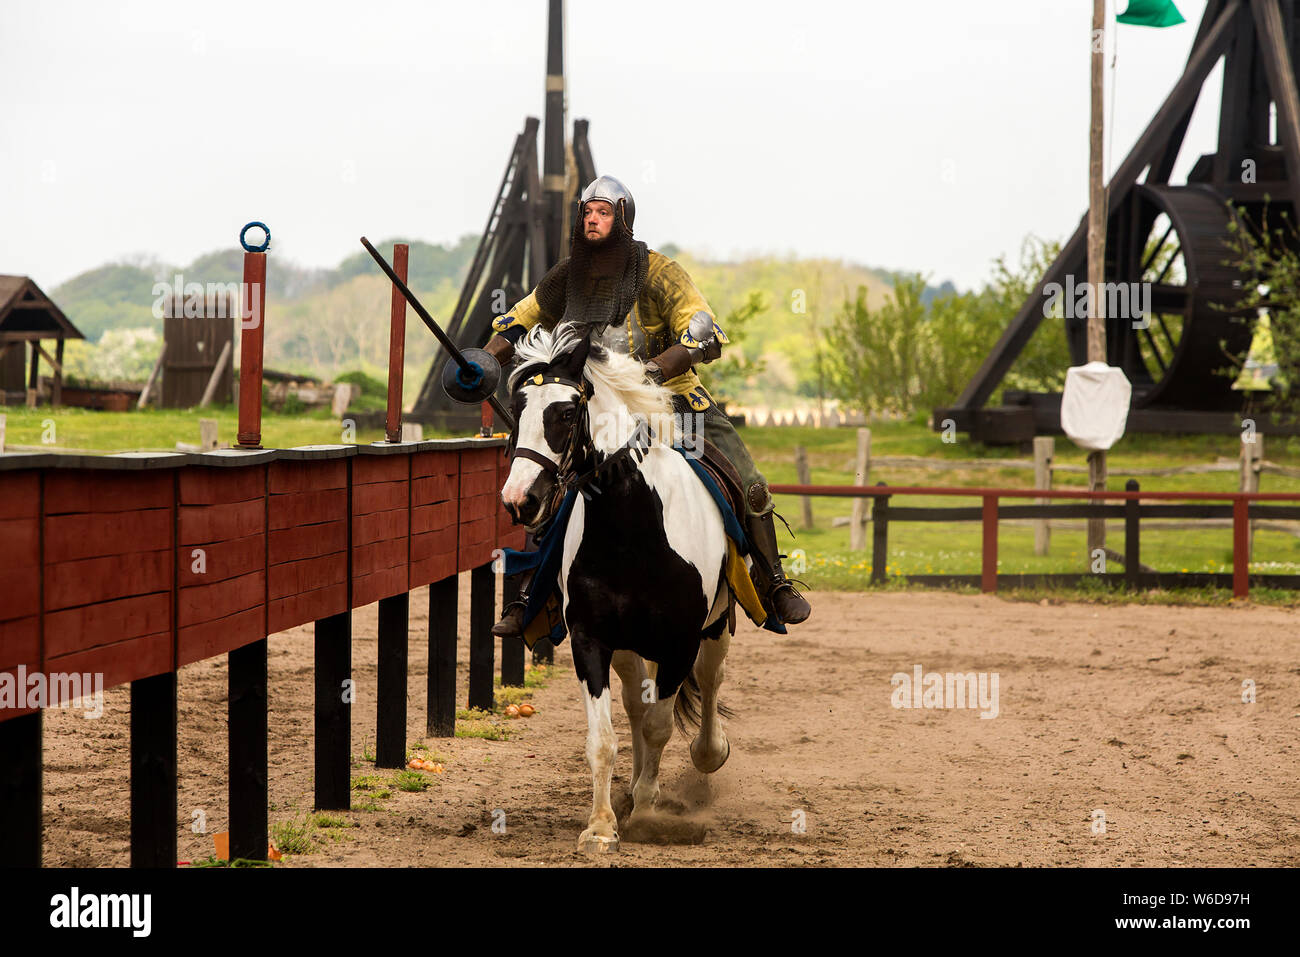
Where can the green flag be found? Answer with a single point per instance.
(1151, 13)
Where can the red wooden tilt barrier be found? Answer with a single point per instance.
(128, 567)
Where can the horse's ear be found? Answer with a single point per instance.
(570, 363)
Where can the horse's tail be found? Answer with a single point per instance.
(686, 709)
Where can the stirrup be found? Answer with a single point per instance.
(511, 624)
(779, 582)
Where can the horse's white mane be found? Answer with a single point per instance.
(618, 376)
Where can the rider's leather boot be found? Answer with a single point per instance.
(511, 624)
(779, 596)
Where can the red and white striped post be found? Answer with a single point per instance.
(252, 311)
(396, 347)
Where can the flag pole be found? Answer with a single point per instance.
(1096, 253)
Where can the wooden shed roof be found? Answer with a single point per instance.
(27, 313)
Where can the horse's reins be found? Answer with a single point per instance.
(567, 480)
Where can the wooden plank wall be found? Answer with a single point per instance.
(307, 558)
(135, 572)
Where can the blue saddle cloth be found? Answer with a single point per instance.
(545, 561)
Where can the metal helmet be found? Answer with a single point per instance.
(613, 192)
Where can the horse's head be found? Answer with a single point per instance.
(549, 403)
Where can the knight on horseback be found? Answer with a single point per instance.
(609, 278)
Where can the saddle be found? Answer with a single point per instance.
(724, 473)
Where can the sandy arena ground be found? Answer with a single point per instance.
(1135, 711)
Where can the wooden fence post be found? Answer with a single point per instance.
(1132, 529)
(252, 327)
(396, 346)
(879, 536)
(805, 478)
(1044, 452)
(989, 564)
(1252, 455)
(861, 469)
(207, 434)
(1240, 560)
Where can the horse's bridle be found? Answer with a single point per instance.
(562, 471)
(566, 478)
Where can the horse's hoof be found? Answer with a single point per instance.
(595, 844)
(702, 763)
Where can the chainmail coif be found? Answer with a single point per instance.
(597, 285)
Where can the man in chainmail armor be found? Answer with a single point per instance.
(640, 302)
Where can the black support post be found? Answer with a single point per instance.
(247, 727)
(441, 713)
(482, 648)
(390, 699)
(153, 771)
(512, 649)
(334, 693)
(20, 791)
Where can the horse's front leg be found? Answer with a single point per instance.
(591, 661)
(632, 675)
(656, 727)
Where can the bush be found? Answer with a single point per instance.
(905, 356)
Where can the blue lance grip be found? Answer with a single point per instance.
(475, 376)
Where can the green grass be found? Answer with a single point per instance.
(375, 785)
(537, 676)
(324, 820)
(955, 547)
(214, 861)
(411, 781)
(477, 723)
(419, 750)
(160, 429)
(295, 836)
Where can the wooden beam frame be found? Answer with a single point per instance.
(1151, 146)
(1281, 81)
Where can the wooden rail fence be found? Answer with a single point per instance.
(1241, 509)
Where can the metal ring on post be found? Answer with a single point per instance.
(266, 243)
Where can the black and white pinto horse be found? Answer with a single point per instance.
(643, 568)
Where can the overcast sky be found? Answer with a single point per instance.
(928, 136)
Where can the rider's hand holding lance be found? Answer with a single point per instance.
(640, 302)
